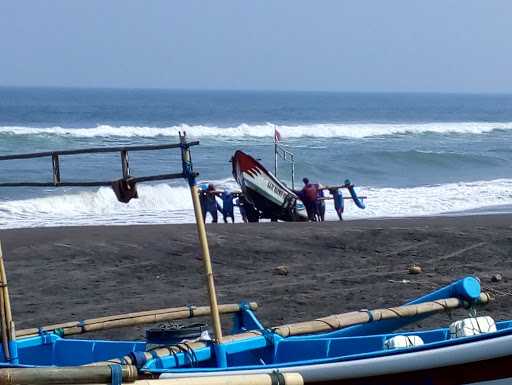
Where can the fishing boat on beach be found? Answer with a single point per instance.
(264, 191)
(356, 348)
(273, 198)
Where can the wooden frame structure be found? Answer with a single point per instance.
(187, 173)
(284, 154)
(125, 167)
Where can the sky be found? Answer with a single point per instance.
(338, 45)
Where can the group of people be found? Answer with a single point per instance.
(312, 195)
(209, 204)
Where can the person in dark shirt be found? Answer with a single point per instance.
(209, 202)
(320, 203)
(240, 202)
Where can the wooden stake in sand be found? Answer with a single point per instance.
(8, 328)
(203, 240)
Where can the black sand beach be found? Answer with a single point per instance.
(64, 274)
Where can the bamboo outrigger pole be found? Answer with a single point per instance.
(325, 324)
(130, 319)
(201, 231)
(339, 321)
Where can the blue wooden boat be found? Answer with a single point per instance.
(357, 348)
(352, 355)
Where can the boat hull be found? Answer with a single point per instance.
(476, 362)
(262, 189)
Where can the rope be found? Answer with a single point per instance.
(188, 353)
(369, 313)
(193, 354)
(268, 335)
(117, 374)
(277, 378)
(138, 358)
(81, 325)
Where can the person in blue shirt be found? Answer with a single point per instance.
(208, 202)
(337, 197)
(227, 206)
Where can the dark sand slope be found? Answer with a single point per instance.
(63, 274)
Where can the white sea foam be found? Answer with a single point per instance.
(327, 130)
(163, 203)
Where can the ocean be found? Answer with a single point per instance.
(410, 154)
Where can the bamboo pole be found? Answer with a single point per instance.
(9, 323)
(203, 240)
(130, 319)
(65, 375)
(3, 324)
(338, 321)
(345, 198)
(322, 324)
(247, 379)
(61, 376)
(5, 338)
(239, 379)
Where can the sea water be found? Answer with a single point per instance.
(410, 154)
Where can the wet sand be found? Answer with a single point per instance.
(64, 274)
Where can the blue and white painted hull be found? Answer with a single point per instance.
(467, 361)
(356, 355)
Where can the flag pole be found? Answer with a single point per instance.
(275, 152)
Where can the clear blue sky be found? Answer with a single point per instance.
(357, 45)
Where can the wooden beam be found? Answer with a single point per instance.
(92, 183)
(124, 164)
(56, 169)
(96, 150)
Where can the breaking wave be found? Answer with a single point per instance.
(324, 130)
(163, 203)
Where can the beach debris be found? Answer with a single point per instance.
(496, 277)
(399, 281)
(415, 269)
(281, 270)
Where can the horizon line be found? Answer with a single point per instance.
(254, 90)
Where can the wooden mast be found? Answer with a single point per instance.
(201, 231)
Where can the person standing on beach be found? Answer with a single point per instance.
(308, 195)
(210, 203)
(240, 203)
(337, 197)
(320, 202)
(227, 206)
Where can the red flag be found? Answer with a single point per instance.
(277, 136)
